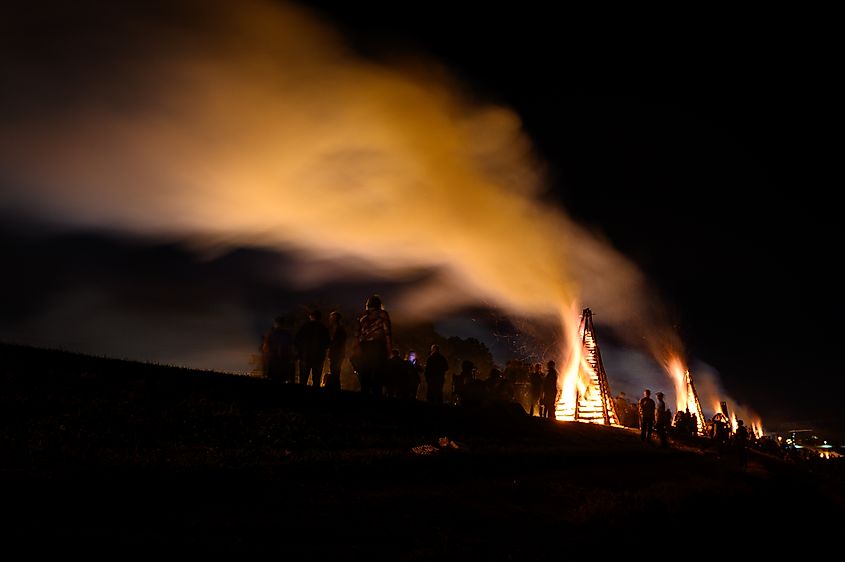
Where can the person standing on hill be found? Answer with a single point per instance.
(337, 350)
(411, 377)
(373, 345)
(661, 421)
(535, 389)
(550, 390)
(461, 381)
(645, 408)
(435, 375)
(278, 353)
(394, 374)
(312, 342)
(741, 443)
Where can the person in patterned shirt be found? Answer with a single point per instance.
(374, 341)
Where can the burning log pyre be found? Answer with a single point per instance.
(588, 399)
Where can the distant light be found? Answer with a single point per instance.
(798, 447)
(826, 446)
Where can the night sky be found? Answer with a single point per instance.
(700, 146)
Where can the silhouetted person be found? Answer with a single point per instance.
(462, 380)
(721, 433)
(312, 342)
(337, 350)
(435, 374)
(491, 385)
(661, 422)
(741, 443)
(278, 353)
(535, 389)
(374, 342)
(506, 389)
(550, 390)
(625, 411)
(645, 408)
(411, 378)
(396, 371)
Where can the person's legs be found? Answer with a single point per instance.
(333, 380)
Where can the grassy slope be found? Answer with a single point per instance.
(98, 451)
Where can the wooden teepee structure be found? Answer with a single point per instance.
(693, 405)
(594, 404)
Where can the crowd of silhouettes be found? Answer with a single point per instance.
(383, 371)
(303, 355)
(380, 368)
(685, 424)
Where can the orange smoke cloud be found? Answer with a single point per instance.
(251, 124)
(262, 129)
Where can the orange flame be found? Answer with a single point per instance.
(676, 369)
(571, 384)
(757, 427)
(685, 398)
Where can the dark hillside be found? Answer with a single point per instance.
(98, 453)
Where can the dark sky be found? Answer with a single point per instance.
(701, 145)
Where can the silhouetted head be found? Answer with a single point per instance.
(435, 348)
(740, 422)
(279, 321)
(314, 315)
(374, 303)
(550, 364)
(659, 395)
(396, 352)
(647, 392)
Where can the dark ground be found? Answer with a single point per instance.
(122, 457)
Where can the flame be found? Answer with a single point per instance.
(677, 371)
(757, 427)
(737, 412)
(685, 395)
(571, 381)
(584, 396)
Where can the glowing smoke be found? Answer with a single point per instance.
(253, 125)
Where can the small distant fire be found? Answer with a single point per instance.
(735, 413)
(686, 397)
